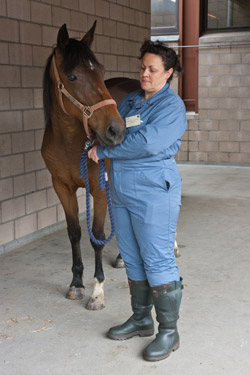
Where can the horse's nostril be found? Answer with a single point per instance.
(111, 132)
(115, 132)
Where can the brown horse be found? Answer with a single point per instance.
(75, 92)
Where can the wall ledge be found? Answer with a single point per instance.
(230, 38)
(192, 116)
(16, 244)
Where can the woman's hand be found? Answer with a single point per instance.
(92, 154)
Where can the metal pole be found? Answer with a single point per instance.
(215, 45)
(229, 13)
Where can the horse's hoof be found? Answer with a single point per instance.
(95, 304)
(177, 252)
(75, 293)
(118, 263)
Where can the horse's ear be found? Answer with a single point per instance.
(89, 36)
(62, 37)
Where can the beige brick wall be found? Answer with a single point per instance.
(28, 30)
(220, 132)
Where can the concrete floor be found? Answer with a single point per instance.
(43, 333)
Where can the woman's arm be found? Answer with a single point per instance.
(166, 125)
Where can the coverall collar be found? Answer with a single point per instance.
(138, 101)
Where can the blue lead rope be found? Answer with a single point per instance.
(103, 183)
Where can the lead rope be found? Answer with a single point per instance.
(103, 183)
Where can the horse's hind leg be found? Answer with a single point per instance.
(119, 263)
(69, 202)
(176, 247)
(97, 299)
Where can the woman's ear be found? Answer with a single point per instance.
(169, 72)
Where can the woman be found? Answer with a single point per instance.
(146, 197)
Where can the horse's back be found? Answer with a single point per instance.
(121, 86)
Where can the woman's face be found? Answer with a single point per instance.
(153, 76)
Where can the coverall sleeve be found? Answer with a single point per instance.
(165, 126)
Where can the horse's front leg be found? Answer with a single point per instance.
(69, 202)
(97, 299)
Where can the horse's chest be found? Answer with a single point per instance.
(62, 164)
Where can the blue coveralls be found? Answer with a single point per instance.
(146, 184)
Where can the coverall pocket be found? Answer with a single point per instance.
(152, 197)
(167, 185)
(152, 178)
(173, 185)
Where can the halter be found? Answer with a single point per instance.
(87, 111)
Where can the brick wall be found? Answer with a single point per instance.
(220, 132)
(28, 30)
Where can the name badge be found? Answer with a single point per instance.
(133, 121)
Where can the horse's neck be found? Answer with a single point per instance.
(67, 129)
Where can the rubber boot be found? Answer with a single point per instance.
(141, 322)
(167, 299)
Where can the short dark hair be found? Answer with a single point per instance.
(168, 55)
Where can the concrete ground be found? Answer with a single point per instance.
(42, 333)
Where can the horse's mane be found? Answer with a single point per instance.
(75, 53)
(46, 91)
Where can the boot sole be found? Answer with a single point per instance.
(144, 333)
(159, 358)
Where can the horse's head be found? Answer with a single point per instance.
(81, 87)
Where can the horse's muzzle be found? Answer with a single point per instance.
(115, 133)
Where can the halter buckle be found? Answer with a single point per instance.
(87, 112)
(60, 86)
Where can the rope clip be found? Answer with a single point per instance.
(88, 144)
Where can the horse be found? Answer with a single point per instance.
(74, 92)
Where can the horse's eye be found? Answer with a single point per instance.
(72, 77)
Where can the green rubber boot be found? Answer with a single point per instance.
(141, 322)
(167, 300)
